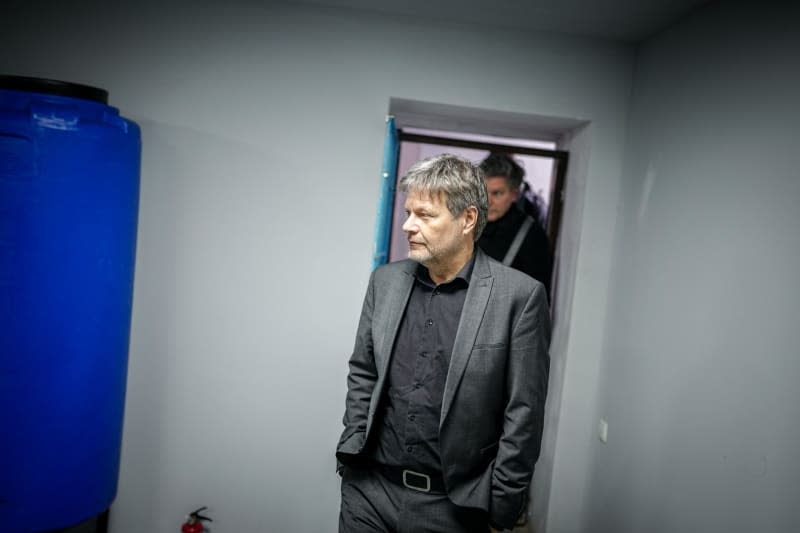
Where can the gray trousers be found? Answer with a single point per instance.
(373, 504)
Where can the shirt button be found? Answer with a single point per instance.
(436, 292)
(411, 417)
(429, 322)
(417, 385)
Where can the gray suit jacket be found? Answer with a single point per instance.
(493, 406)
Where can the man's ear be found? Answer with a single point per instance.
(470, 219)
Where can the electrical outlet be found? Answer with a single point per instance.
(603, 430)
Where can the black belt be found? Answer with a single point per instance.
(412, 479)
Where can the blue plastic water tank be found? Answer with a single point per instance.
(69, 195)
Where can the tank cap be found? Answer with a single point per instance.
(58, 88)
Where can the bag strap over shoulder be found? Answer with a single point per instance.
(511, 254)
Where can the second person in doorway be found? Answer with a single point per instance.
(511, 236)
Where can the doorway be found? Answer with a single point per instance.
(545, 170)
(567, 134)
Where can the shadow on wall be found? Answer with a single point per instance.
(186, 311)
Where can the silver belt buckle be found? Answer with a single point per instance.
(426, 477)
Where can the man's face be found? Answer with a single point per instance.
(501, 196)
(434, 235)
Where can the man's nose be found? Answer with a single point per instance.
(409, 226)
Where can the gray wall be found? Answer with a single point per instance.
(263, 130)
(700, 374)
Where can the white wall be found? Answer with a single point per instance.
(263, 129)
(700, 375)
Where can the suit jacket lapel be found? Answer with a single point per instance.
(398, 293)
(480, 287)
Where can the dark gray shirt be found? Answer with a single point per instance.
(408, 434)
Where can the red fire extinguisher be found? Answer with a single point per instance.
(194, 522)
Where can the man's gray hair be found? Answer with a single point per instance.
(460, 181)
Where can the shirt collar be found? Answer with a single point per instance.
(464, 274)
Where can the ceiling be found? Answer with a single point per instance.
(619, 20)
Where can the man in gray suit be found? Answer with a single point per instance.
(448, 377)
